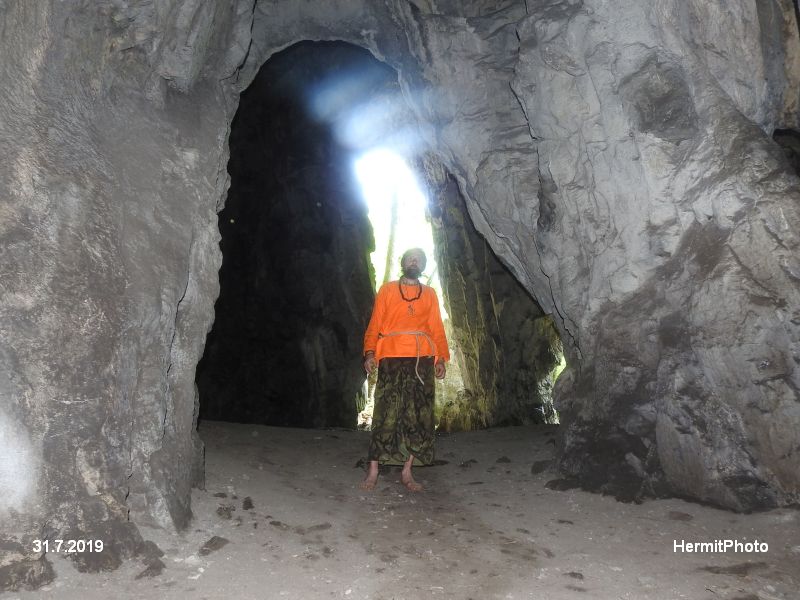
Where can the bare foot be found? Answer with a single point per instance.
(372, 477)
(408, 480)
(368, 483)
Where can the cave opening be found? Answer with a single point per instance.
(323, 152)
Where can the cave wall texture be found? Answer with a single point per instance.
(616, 155)
(507, 347)
(296, 286)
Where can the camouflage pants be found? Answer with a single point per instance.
(402, 421)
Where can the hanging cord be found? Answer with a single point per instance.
(416, 335)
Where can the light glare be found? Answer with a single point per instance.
(383, 176)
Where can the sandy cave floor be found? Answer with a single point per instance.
(290, 522)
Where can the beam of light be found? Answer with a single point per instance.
(369, 116)
(363, 111)
(384, 176)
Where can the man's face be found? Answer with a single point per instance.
(413, 265)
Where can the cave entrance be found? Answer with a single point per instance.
(297, 282)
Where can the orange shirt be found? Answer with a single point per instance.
(391, 314)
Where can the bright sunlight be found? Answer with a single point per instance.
(386, 178)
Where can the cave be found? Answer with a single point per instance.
(604, 179)
(296, 284)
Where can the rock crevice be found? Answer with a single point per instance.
(507, 348)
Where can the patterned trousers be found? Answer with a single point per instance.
(403, 417)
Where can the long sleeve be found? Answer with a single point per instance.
(397, 318)
(375, 321)
(437, 329)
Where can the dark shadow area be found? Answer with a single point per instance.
(789, 140)
(296, 289)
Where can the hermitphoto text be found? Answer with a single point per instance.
(720, 546)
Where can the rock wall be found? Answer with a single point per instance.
(642, 202)
(506, 346)
(110, 181)
(608, 153)
(680, 295)
(617, 157)
(296, 282)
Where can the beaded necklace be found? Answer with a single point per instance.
(410, 300)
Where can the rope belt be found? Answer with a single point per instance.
(417, 335)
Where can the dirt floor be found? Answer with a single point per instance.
(282, 517)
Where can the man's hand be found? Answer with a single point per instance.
(439, 369)
(370, 363)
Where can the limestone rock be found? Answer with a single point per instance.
(617, 157)
(108, 276)
(685, 272)
(507, 348)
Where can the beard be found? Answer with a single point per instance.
(411, 272)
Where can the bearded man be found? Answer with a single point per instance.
(405, 341)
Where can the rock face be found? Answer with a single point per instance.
(617, 157)
(296, 288)
(506, 346)
(110, 180)
(681, 298)
(662, 234)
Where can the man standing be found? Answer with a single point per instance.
(405, 341)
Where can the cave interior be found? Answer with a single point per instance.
(184, 244)
(296, 282)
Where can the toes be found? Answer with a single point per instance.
(412, 486)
